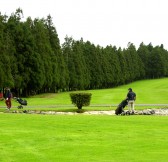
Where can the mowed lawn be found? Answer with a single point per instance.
(83, 138)
(87, 138)
(148, 92)
(154, 91)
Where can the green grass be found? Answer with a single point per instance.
(83, 138)
(148, 92)
(87, 138)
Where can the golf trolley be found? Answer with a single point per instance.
(21, 101)
(121, 106)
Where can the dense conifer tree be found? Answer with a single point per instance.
(157, 63)
(144, 54)
(33, 61)
(93, 61)
(43, 51)
(123, 66)
(60, 76)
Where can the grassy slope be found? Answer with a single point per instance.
(83, 138)
(148, 91)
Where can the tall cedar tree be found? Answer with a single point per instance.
(33, 61)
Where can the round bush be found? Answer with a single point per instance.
(80, 99)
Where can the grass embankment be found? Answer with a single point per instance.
(83, 138)
(148, 92)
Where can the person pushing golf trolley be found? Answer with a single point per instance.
(131, 97)
(129, 100)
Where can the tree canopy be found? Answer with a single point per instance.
(32, 60)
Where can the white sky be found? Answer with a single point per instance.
(102, 22)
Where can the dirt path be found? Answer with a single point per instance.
(163, 111)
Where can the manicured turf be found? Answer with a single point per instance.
(87, 138)
(148, 92)
(83, 138)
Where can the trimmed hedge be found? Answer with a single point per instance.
(80, 99)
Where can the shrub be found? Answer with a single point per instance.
(80, 99)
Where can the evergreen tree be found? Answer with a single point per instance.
(68, 57)
(144, 53)
(165, 59)
(80, 65)
(5, 56)
(104, 67)
(123, 66)
(44, 52)
(110, 69)
(114, 69)
(157, 63)
(135, 65)
(58, 64)
(33, 59)
(93, 62)
(2, 74)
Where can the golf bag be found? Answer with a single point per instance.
(121, 106)
(22, 102)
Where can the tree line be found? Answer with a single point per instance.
(32, 60)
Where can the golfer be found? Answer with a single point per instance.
(8, 97)
(131, 97)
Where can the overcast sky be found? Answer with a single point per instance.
(102, 22)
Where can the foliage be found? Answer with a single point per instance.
(32, 60)
(80, 99)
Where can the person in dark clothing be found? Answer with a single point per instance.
(8, 97)
(131, 97)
